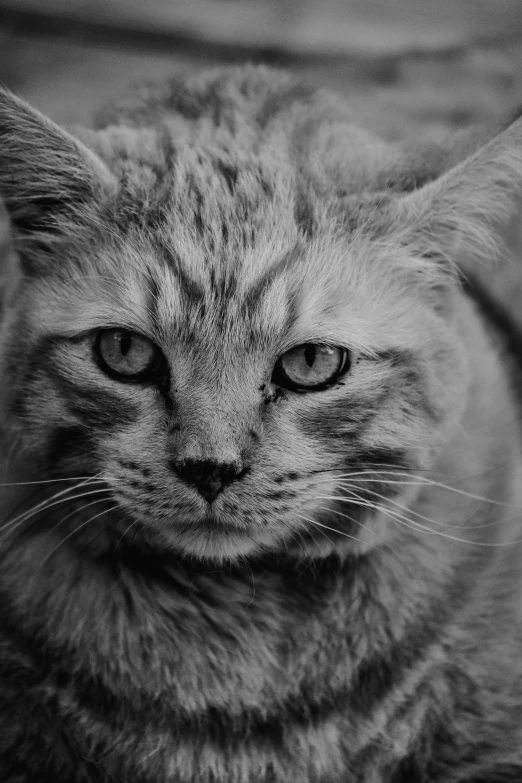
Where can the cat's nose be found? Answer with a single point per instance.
(210, 478)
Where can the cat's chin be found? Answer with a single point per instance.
(209, 542)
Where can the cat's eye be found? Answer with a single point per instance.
(310, 367)
(127, 355)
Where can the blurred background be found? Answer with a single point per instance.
(410, 67)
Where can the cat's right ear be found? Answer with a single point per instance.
(49, 181)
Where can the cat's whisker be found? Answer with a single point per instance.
(422, 480)
(417, 527)
(357, 500)
(46, 501)
(407, 521)
(357, 522)
(46, 481)
(8, 530)
(372, 532)
(354, 487)
(370, 472)
(127, 529)
(488, 544)
(77, 530)
(394, 517)
(333, 530)
(318, 526)
(303, 543)
(72, 513)
(344, 516)
(253, 586)
(45, 505)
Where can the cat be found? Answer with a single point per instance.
(261, 444)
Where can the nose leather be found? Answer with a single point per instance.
(208, 477)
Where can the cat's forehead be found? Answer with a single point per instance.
(200, 183)
(241, 172)
(220, 217)
(241, 247)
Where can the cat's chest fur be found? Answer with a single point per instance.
(247, 674)
(226, 673)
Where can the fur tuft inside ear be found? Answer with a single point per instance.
(463, 217)
(47, 177)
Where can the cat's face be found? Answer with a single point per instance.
(225, 397)
(240, 362)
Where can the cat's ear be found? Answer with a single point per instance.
(467, 215)
(48, 179)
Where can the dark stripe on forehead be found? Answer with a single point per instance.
(224, 288)
(270, 275)
(190, 288)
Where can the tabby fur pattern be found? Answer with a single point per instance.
(349, 609)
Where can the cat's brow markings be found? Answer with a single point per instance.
(193, 289)
(279, 268)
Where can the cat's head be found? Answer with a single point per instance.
(241, 317)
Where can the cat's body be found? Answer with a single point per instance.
(189, 623)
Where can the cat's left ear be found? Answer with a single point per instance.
(466, 216)
(48, 179)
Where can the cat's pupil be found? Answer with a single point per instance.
(125, 344)
(309, 354)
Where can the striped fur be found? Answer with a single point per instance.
(348, 611)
